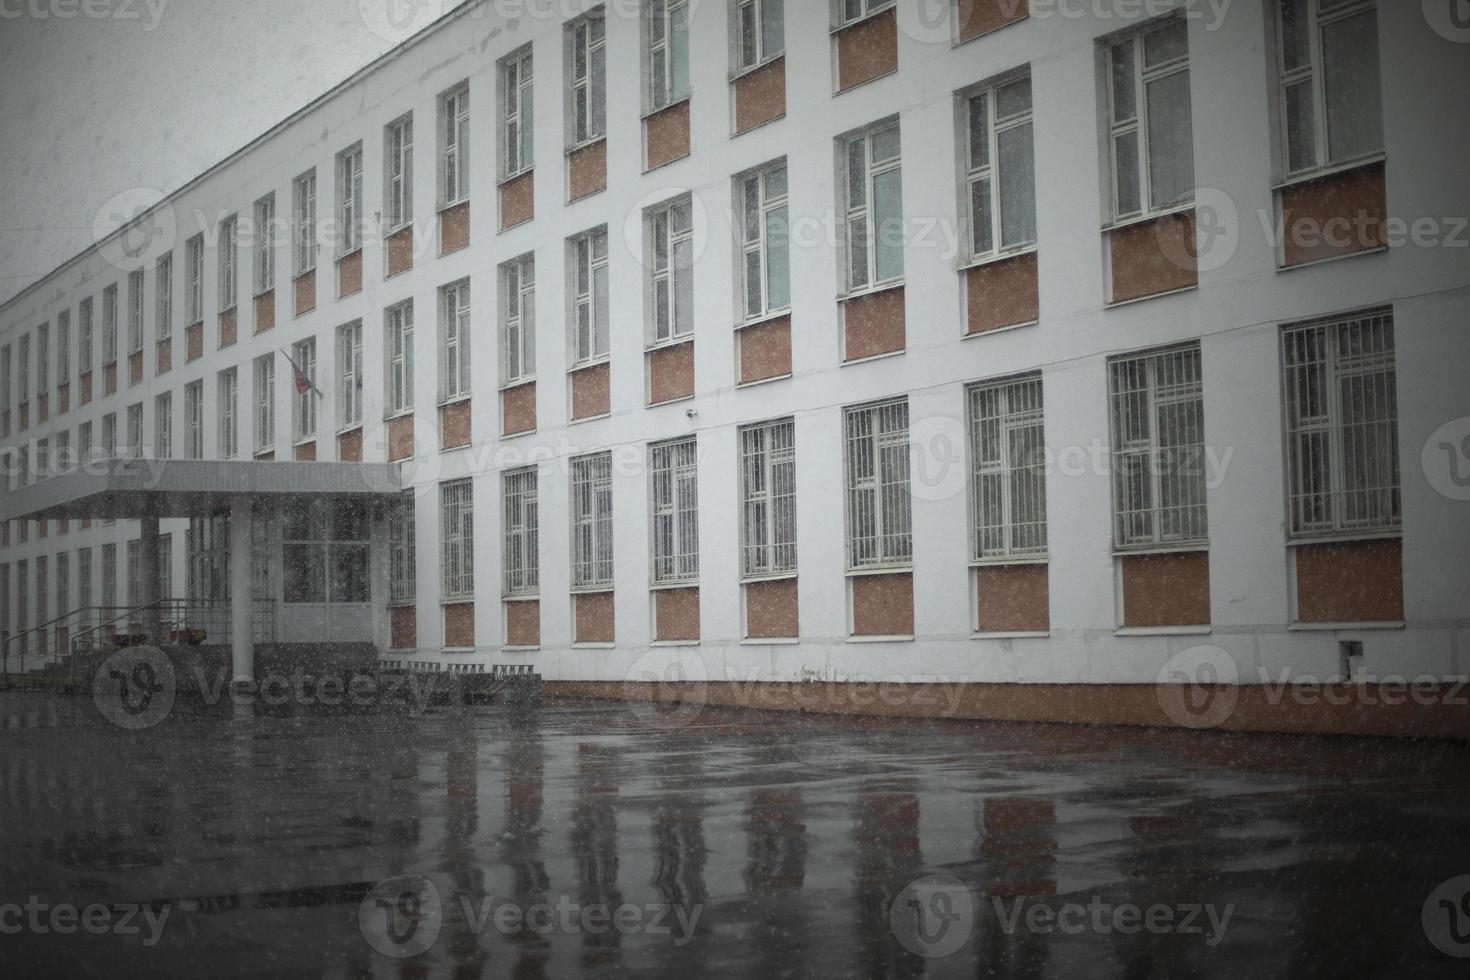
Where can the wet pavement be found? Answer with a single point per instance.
(598, 840)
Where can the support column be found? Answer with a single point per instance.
(150, 589)
(242, 636)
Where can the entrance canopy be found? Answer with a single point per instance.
(119, 489)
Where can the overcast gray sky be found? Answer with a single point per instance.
(149, 93)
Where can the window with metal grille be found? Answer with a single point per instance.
(398, 170)
(109, 324)
(207, 553)
(666, 29)
(762, 31)
(63, 347)
(193, 286)
(454, 129)
(589, 296)
(768, 499)
(84, 442)
(135, 430)
(229, 430)
(457, 529)
(265, 244)
(674, 506)
(1158, 434)
(163, 425)
(765, 241)
(194, 420)
(670, 230)
(398, 347)
(1008, 476)
(43, 358)
(454, 341)
(303, 214)
(852, 11)
(873, 207)
(588, 81)
(135, 311)
(592, 517)
(349, 374)
(1328, 82)
(518, 320)
(517, 103)
(402, 561)
(229, 261)
(23, 380)
(349, 199)
(303, 414)
(164, 283)
(1151, 133)
(1002, 164)
(879, 506)
(109, 435)
(265, 402)
(1341, 394)
(84, 337)
(520, 555)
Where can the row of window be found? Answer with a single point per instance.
(61, 582)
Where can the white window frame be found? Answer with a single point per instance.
(846, 13)
(669, 228)
(163, 284)
(518, 321)
(1006, 421)
(870, 431)
(136, 305)
(1314, 73)
(764, 211)
(349, 375)
(398, 358)
(673, 512)
(349, 200)
(194, 283)
(109, 325)
(402, 548)
(229, 263)
(667, 85)
(984, 178)
(23, 366)
(135, 430)
(457, 544)
(1145, 390)
(768, 529)
(228, 408)
(303, 212)
(63, 348)
(1319, 360)
(454, 342)
(517, 77)
(454, 145)
(758, 33)
(85, 345)
(591, 514)
(265, 403)
(43, 359)
(398, 173)
(1136, 126)
(109, 435)
(589, 319)
(860, 213)
(265, 244)
(520, 575)
(304, 408)
(587, 78)
(194, 420)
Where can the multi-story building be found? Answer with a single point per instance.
(1048, 352)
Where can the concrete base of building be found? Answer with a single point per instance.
(1386, 710)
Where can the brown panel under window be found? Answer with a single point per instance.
(63, 398)
(676, 614)
(771, 610)
(165, 352)
(518, 409)
(454, 228)
(135, 369)
(84, 394)
(268, 456)
(523, 623)
(587, 170)
(1350, 582)
(977, 17)
(454, 425)
(109, 385)
(1153, 257)
(517, 200)
(400, 438)
(306, 452)
(305, 292)
(1013, 598)
(591, 392)
(671, 373)
(1003, 294)
(228, 333)
(867, 50)
(459, 625)
(666, 136)
(1336, 215)
(593, 615)
(265, 311)
(873, 324)
(400, 250)
(883, 605)
(403, 627)
(765, 350)
(760, 96)
(1166, 590)
(349, 274)
(349, 446)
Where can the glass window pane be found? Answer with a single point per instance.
(775, 183)
(773, 28)
(1166, 44)
(981, 216)
(888, 224)
(749, 47)
(1017, 186)
(979, 134)
(1013, 98)
(857, 170)
(350, 573)
(857, 248)
(1125, 163)
(1296, 42)
(599, 92)
(1301, 127)
(778, 258)
(885, 144)
(679, 52)
(753, 283)
(1350, 74)
(1170, 140)
(1124, 103)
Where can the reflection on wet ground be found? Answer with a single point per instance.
(589, 839)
